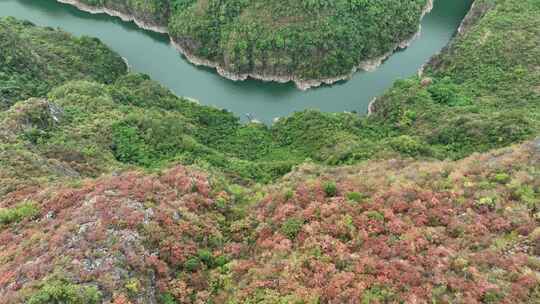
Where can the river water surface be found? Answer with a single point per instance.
(151, 53)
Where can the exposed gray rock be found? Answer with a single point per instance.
(536, 144)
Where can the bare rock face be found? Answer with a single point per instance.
(426, 82)
(477, 11)
(143, 19)
(38, 114)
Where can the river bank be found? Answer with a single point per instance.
(152, 54)
(475, 12)
(368, 65)
(114, 13)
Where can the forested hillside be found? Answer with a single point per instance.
(300, 40)
(480, 93)
(465, 102)
(115, 190)
(34, 60)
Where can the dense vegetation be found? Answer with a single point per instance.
(114, 189)
(483, 91)
(34, 60)
(384, 232)
(466, 102)
(304, 39)
(154, 12)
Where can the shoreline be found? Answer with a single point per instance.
(371, 105)
(464, 25)
(367, 65)
(124, 17)
(461, 30)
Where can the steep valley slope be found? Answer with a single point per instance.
(114, 190)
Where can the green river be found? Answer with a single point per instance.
(151, 53)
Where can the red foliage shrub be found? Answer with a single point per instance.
(409, 240)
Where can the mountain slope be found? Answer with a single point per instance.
(113, 189)
(35, 59)
(482, 91)
(460, 232)
(465, 102)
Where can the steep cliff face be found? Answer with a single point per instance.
(155, 12)
(149, 15)
(477, 11)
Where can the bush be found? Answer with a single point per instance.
(330, 189)
(527, 195)
(375, 215)
(291, 227)
(18, 213)
(62, 292)
(378, 294)
(206, 257)
(448, 93)
(146, 140)
(501, 178)
(167, 298)
(355, 196)
(221, 260)
(407, 145)
(192, 264)
(490, 202)
(133, 285)
(492, 296)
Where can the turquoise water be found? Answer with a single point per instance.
(151, 53)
